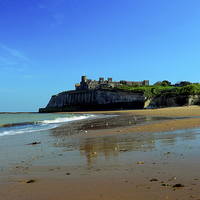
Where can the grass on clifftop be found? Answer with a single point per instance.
(157, 90)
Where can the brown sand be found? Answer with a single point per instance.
(171, 111)
(192, 111)
(117, 179)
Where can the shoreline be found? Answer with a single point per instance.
(102, 159)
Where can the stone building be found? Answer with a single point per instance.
(88, 84)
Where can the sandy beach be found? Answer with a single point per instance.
(135, 154)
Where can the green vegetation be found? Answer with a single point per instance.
(161, 88)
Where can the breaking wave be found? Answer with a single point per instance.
(23, 127)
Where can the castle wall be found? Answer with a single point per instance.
(88, 84)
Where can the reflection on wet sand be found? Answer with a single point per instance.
(112, 146)
(115, 147)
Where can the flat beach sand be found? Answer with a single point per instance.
(134, 154)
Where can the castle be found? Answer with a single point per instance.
(88, 84)
(88, 96)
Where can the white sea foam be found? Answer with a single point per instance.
(65, 119)
(40, 125)
(26, 130)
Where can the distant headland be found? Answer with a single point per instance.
(111, 95)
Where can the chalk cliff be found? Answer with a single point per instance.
(94, 100)
(172, 101)
(108, 100)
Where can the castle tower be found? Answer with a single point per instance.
(84, 78)
(109, 80)
(101, 80)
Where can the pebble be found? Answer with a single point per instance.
(94, 153)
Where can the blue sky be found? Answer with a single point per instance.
(47, 45)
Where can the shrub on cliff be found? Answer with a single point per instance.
(164, 83)
(162, 89)
(190, 89)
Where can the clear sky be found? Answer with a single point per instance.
(47, 45)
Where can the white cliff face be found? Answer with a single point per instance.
(97, 99)
(110, 97)
(177, 100)
(57, 101)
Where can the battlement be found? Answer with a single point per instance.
(88, 84)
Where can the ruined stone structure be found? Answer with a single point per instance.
(88, 84)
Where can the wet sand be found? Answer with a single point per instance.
(134, 155)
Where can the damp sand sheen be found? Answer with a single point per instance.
(121, 156)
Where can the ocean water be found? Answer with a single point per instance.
(20, 123)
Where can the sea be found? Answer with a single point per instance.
(12, 123)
